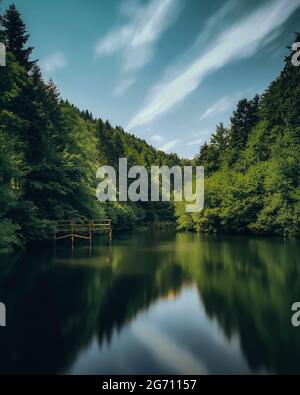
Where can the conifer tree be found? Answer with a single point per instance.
(16, 36)
(220, 139)
(244, 118)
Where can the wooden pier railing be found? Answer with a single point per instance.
(72, 229)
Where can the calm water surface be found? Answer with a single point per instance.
(153, 303)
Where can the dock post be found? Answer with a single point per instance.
(110, 232)
(54, 242)
(54, 236)
(72, 233)
(91, 233)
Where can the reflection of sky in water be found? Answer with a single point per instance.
(174, 336)
(157, 303)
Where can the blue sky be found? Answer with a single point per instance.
(165, 70)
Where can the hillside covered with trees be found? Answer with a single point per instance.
(50, 151)
(252, 167)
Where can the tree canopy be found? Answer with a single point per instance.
(252, 167)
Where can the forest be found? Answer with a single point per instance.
(252, 167)
(50, 151)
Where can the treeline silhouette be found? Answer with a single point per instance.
(50, 151)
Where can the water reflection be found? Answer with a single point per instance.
(153, 303)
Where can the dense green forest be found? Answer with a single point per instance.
(50, 150)
(252, 167)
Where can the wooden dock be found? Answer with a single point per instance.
(81, 229)
(161, 225)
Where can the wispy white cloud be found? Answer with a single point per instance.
(219, 18)
(221, 105)
(53, 62)
(123, 85)
(171, 353)
(169, 145)
(136, 39)
(240, 41)
(199, 137)
(202, 133)
(195, 142)
(157, 138)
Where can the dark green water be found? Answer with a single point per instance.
(153, 303)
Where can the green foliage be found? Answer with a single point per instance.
(50, 151)
(253, 168)
(16, 36)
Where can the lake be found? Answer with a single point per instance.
(152, 303)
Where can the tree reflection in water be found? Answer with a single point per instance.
(57, 305)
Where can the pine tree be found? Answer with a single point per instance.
(209, 158)
(220, 139)
(16, 37)
(244, 118)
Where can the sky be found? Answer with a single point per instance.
(167, 71)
